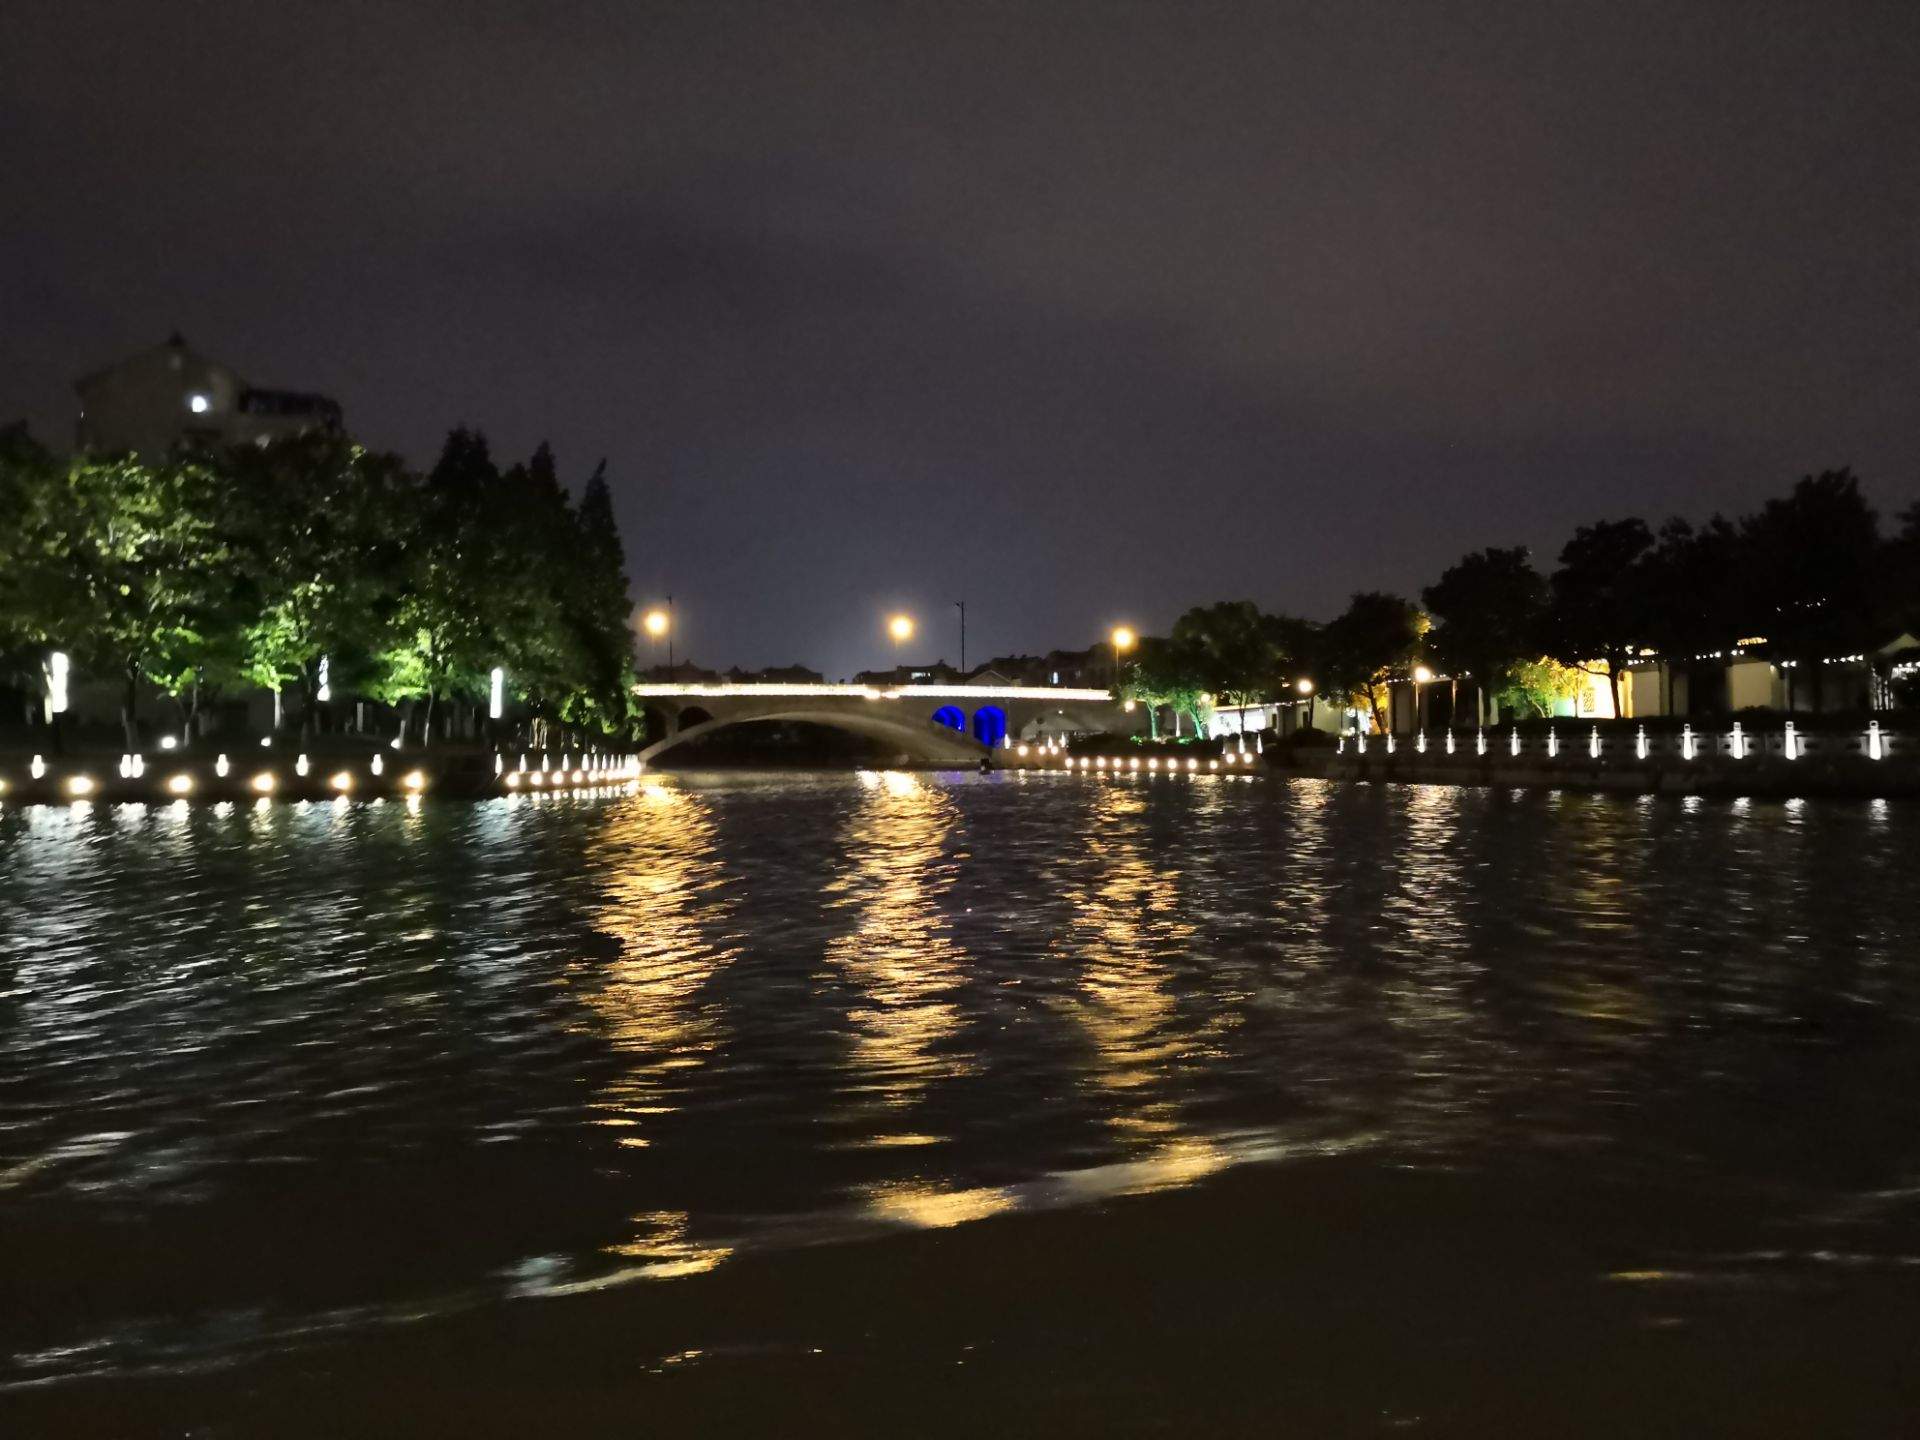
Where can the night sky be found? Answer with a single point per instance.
(1082, 312)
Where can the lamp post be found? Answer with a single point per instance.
(1305, 687)
(659, 623)
(900, 627)
(1123, 640)
(961, 606)
(1421, 676)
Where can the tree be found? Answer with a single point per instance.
(1164, 672)
(598, 605)
(315, 528)
(124, 566)
(444, 631)
(1360, 648)
(1230, 646)
(1534, 685)
(1599, 614)
(1811, 572)
(1692, 596)
(1487, 610)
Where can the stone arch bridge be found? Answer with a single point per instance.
(928, 724)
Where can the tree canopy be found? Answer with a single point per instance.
(261, 564)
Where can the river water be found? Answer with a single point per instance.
(901, 1103)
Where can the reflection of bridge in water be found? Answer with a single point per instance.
(932, 724)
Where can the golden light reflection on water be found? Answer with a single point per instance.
(899, 951)
(661, 1240)
(1125, 921)
(930, 1207)
(665, 902)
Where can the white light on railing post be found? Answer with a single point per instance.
(1640, 743)
(325, 691)
(1790, 747)
(1739, 742)
(1513, 742)
(1686, 742)
(1593, 744)
(1874, 748)
(1361, 737)
(1449, 742)
(1480, 742)
(1420, 742)
(1389, 742)
(496, 693)
(1553, 743)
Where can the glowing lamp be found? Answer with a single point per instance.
(496, 693)
(342, 781)
(1421, 674)
(415, 780)
(263, 783)
(900, 627)
(79, 785)
(180, 785)
(1123, 637)
(59, 667)
(655, 623)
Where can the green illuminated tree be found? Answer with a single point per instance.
(315, 526)
(1165, 673)
(125, 567)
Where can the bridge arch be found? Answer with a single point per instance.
(951, 716)
(990, 725)
(923, 741)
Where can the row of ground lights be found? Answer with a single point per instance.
(1740, 743)
(592, 770)
(1173, 765)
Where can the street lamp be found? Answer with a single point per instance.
(900, 627)
(1421, 676)
(1123, 640)
(658, 623)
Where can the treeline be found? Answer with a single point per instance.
(1807, 578)
(206, 573)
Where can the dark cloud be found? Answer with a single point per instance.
(1081, 311)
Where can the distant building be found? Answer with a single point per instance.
(776, 675)
(683, 673)
(172, 396)
(938, 673)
